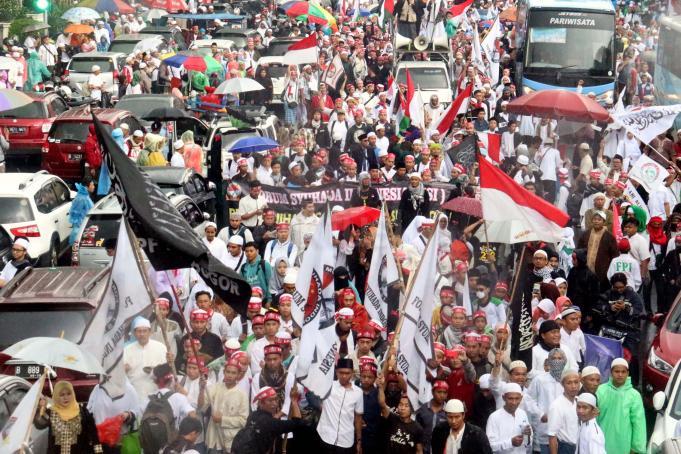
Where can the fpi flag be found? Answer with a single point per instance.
(416, 337)
(125, 298)
(17, 426)
(648, 122)
(313, 309)
(382, 274)
(648, 173)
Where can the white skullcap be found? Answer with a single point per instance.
(283, 335)
(602, 214)
(567, 373)
(140, 322)
(236, 239)
(337, 208)
(454, 406)
(587, 398)
(484, 381)
(290, 277)
(346, 312)
(22, 242)
(138, 133)
(619, 362)
(511, 388)
(211, 224)
(590, 370)
(547, 305)
(178, 144)
(232, 344)
(293, 164)
(142, 65)
(415, 175)
(124, 126)
(96, 68)
(517, 364)
(523, 160)
(541, 252)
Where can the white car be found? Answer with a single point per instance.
(667, 404)
(37, 206)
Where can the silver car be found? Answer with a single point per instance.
(102, 223)
(80, 69)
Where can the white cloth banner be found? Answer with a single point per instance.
(125, 298)
(648, 173)
(635, 198)
(416, 338)
(382, 273)
(21, 421)
(648, 122)
(314, 311)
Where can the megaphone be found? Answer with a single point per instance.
(440, 41)
(421, 43)
(402, 41)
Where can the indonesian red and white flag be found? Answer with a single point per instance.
(505, 200)
(303, 51)
(459, 106)
(492, 143)
(460, 8)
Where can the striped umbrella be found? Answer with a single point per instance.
(13, 99)
(313, 12)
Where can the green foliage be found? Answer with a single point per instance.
(11, 10)
(18, 25)
(57, 24)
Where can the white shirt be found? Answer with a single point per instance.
(217, 247)
(337, 422)
(247, 205)
(274, 250)
(591, 438)
(179, 403)
(574, 341)
(8, 272)
(257, 353)
(539, 355)
(139, 357)
(102, 407)
(98, 83)
(548, 162)
(177, 160)
(625, 263)
(657, 200)
(563, 422)
(454, 441)
(495, 313)
(234, 262)
(544, 389)
(640, 247)
(502, 427)
(507, 144)
(219, 326)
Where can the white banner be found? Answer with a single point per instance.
(314, 310)
(635, 198)
(648, 173)
(21, 422)
(415, 337)
(125, 298)
(648, 122)
(382, 273)
(333, 72)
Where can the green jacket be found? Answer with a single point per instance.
(622, 418)
(37, 71)
(258, 274)
(199, 81)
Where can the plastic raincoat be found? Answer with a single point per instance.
(622, 418)
(37, 71)
(80, 207)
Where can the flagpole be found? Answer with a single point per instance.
(137, 252)
(35, 408)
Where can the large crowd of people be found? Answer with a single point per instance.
(206, 379)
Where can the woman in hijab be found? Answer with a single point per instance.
(263, 78)
(658, 249)
(445, 234)
(415, 201)
(276, 283)
(193, 155)
(71, 426)
(152, 154)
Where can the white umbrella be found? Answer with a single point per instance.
(238, 85)
(148, 44)
(79, 13)
(155, 13)
(55, 352)
(507, 232)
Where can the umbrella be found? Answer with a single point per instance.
(13, 99)
(35, 27)
(155, 13)
(165, 114)
(149, 44)
(79, 29)
(359, 216)
(465, 205)
(190, 62)
(312, 11)
(510, 14)
(172, 6)
(238, 85)
(79, 14)
(114, 6)
(253, 144)
(508, 232)
(568, 105)
(55, 352)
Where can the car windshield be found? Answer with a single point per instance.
(34, 110)
(15, 209)
(275, 70)
(142, 106)
(71, 131)
(84, 64)
(99, 227)
(238, 39)
(45, 321)
(125, 47)
(425, 78)
(674, 321)
(278, 48)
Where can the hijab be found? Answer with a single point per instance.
(657, 235)
(276, 281)
(70, 411)
(417, 196)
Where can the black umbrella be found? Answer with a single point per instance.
(165, 114)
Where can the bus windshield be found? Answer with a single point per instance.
(570, 40)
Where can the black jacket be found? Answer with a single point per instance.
(474, 440)
(367, 197)
(260, 432)
(407, 211)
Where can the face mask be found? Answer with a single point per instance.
(480, 295)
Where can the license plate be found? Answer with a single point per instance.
(17, 130)
(33, 371)
(614, 333)
(75, 157)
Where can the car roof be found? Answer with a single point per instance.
(167, 175)
(421, 64)
(221, 42)
(236, 31)
(271, 59)
(66, 285)
(18, 183)
(84, 114)
(99, 55)
(135, 37)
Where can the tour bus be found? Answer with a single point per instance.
(561, 42)
(667, 78)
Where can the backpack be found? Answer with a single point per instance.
(157, 427)
(246, 439)
(288, 252)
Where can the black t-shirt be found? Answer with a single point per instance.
(401, 437)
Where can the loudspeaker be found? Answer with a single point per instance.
(440, 41)
(421, 43)
(402, 41)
